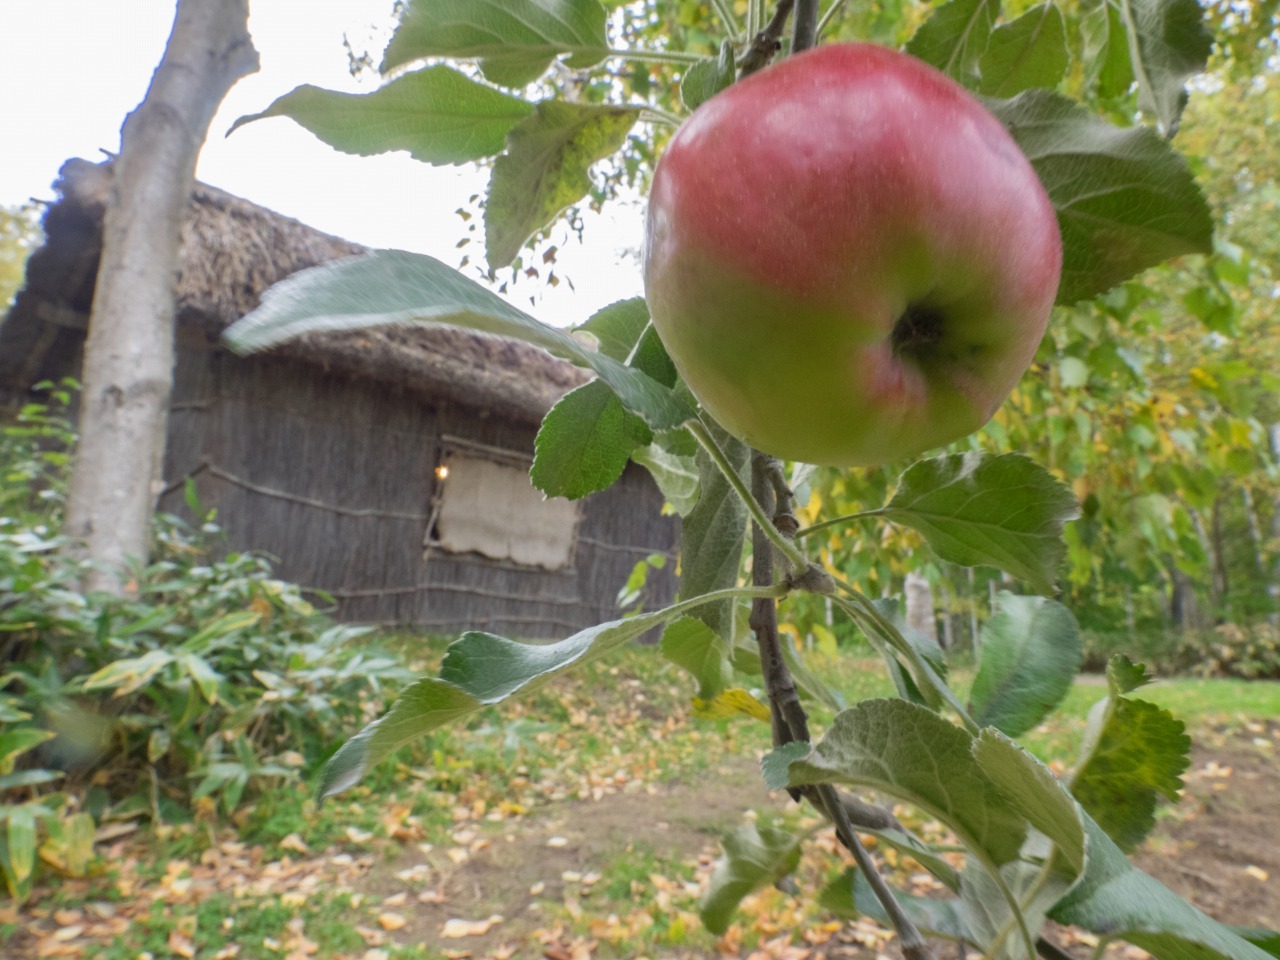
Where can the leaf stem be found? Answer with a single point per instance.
(795, 557)
(836, 521)
(730, 22)
(656, 56)
(658, 115)
(828, 16)
(931, 685)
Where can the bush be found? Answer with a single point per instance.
(210, 680)
(1249, 652)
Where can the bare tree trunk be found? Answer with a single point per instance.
(920, 615)
(1273, 589)
(1221, 580)
(128, 363)
(973, 613)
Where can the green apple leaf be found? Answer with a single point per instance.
(910, 753)
(1168, 45)
(617, 327)
(1133, 753)
(1105, 49)
(892, 610)
(954, 37)
(1261, 937)
(584, 442)
(479, 669)
(1125, 676)
(990, 914)
(691, 644)
(1033, 791)
(754, 856)
(437, 114)
(972, 508)
(850, 896)
(675, 475)
(1116, 898)
(546, 168)
(650, 357)
(714, 534)
(1030, 652)
(1029, 52)
(514, 40)
(1125, 198)
(394, 288)
(708, 77)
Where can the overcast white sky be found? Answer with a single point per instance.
(72, 70)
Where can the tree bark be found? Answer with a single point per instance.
(1273, 589)
(128, 362)
(920, 613)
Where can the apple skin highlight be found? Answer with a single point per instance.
(848, 258)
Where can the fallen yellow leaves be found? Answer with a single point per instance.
(455, 929)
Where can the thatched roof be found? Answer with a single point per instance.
(232, 251)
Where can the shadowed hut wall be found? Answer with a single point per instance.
(335, 478)
(323, 454)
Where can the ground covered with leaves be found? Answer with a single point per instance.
(584, 822)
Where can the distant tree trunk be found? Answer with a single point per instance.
(128, 361)
(1273, 589)
(920, 616)
(973, 612)
(1183, 607)
(948, 625)
(1221, 581)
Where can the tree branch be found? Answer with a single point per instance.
(767, 42)
(805, 33)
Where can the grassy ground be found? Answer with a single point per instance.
(579, 821)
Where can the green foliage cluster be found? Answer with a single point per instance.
(211, 679)
(19, 234)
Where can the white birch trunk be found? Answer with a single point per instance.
(920, 616)
(128, 361)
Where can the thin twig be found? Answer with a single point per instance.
(729, 21)
(912, 943)
(828, 16)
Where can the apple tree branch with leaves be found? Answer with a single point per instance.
(852, 255)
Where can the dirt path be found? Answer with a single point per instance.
(1219, 848)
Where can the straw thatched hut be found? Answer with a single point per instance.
(387, 468)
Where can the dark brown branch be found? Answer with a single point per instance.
(806, 26)
(912, 943)
(789, 719)
(767, 42)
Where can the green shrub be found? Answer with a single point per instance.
(210, 680)
(1249, 652)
